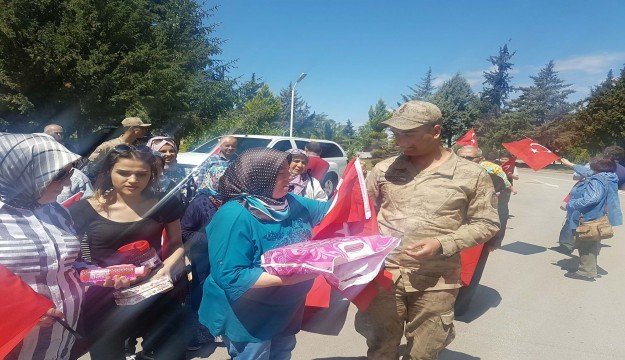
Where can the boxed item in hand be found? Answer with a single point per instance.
(344, 261)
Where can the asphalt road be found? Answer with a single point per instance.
(524, 307)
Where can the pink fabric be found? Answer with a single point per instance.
(343, 261)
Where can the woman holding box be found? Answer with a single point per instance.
(258, 314)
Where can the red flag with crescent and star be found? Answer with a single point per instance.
(508, 166)
(532, 153)
(468, 139)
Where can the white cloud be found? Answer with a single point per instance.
(475, 78)
(439, 79)
(591, 64)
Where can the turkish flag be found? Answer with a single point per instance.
(508, 166)
(532, 153)
(351, 212)
(469, 258)
(469, 139)
(20, 310)
(74, 198)
(215, 150)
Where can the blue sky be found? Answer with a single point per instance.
(358, 51)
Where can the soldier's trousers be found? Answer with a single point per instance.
(424, 317)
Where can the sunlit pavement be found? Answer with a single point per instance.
(524, 308)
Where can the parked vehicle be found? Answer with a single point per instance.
(330, 152)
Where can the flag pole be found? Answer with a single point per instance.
(68, 328)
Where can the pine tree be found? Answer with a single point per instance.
(608, 83)
(422, 91)
(301, 111)
(348, 130)
(602, 122)
(248, 90)
(458, 103)
(546, 99)
(90, 63)
(497, 81)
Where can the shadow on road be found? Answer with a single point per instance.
(205, 352)
(571, 264)
(484, 299)
(523, 248)
(447, 354)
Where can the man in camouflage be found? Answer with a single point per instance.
(438, 204)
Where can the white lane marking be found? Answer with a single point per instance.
(551, 178)
(544, 183)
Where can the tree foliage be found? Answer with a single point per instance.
(546, 99)
(458, 103)
(600, 123)
(86, 63)
(424, 90)
(511, 126)
(498, 80)
(348, 130)
(301, 112)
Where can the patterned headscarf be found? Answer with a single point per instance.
(254, 173)
(298, 183)
(28, 164)
(157, 142)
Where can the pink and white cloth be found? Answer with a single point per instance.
(343, 261)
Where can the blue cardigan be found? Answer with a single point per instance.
(589, 197)
(230, 306)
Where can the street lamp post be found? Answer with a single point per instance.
(300, 78)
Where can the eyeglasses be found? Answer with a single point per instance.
(143, 151)
(470, 157)
(122, 148)
(63, 175)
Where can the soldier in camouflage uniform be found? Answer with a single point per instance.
(438, 204)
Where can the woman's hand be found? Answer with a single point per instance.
(565, 162)
(119, 282)
(48, 318)
(116, 282)
(171, 269)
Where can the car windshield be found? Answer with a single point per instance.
(243, 143)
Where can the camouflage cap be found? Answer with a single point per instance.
(134, 121)
(413, 114)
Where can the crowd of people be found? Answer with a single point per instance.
(231, 210)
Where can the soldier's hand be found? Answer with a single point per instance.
(424, 249)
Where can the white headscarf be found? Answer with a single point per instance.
(28, 164)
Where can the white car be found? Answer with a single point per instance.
(330, 152)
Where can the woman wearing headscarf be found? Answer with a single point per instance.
(173, 175)
(302, 183)
(169, 152)
(198, 215)
(258, 314)
(37, 241)
(594, 197)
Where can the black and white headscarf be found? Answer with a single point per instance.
(28, 164)
(254, 173)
